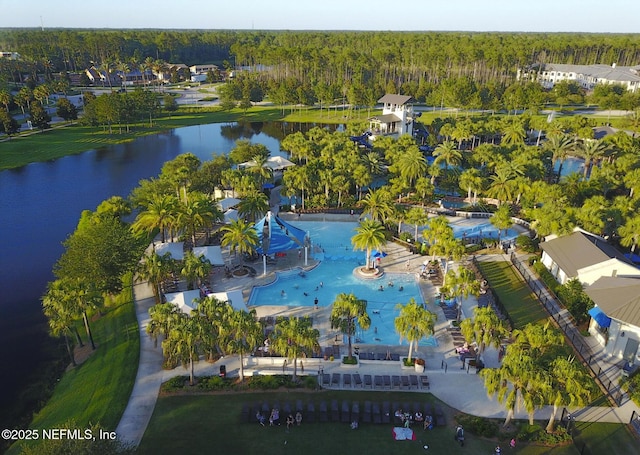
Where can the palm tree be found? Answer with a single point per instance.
(155, 269)
(501, 219)
(294, 337)
(160, 213)
(501, 186)
(163, 318)
(84, 297)
(243, 335)
(412, 164)
(630, 233)
(510, 380)
(240, 236)
(195, 268)
(559, 146)
(197, 212)
(184, 343)
(253, 206)
(414, 323)
(570, 386)
(370, 234)
(471, 180)
(591, 151)
(449, 153)
(538, 338)
(632, 181)
(377, 204)
(347, 312)
(424, 188)
(60, 318)
(513, 134)
(216, 314)
(461, 284)
(485, 328)
(417, 217)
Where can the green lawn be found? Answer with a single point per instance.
(98, 391)
(513, 292)
(211, 424)
(605, 438)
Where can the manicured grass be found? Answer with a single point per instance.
(98, 391)
(211, 424)
(604, 438)
(513, 292)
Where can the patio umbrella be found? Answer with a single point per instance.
(378, 254)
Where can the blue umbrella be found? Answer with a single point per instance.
(378, 254)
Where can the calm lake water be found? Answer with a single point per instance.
(41, 203)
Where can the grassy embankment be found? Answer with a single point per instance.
(98, 390)
(65, 139)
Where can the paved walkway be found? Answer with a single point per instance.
(459, 388)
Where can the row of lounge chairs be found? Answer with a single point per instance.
(378, 356)
(344, 411)
(374, 382)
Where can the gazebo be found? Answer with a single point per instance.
(276, 236)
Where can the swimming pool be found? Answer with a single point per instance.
(334, 275)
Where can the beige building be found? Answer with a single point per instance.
(588, 76)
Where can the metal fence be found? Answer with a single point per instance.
(567, 325)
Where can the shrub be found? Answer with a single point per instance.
(537, 433)
(479, 426)
(406, 237)
(575, 299)
(527, 244)
(349, 361)
(310, 382)
(214, 383)
(408, 363)
(174, 384)
(546, 276)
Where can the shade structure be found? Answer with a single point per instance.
(186, 300)
(602, 319)
(213, 253)
(233, 298)
(175, 249)
(275, 163)
(276, 235)
(227, 203)
(230, 215)
(378, 254)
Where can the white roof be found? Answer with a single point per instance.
(275, 163)
(234, 298)
(184, 300)
(175, 249)
(227, 203)
(213, 253)
(230, 215)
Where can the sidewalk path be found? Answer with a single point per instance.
(143, 398)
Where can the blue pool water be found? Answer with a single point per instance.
(334, 275)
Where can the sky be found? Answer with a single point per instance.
(611, 16)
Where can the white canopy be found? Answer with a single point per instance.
(227, 203)
(275, 163)
(213, 253)
(230, 215)
(234, 298)
(175, 249)
(185, 300)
